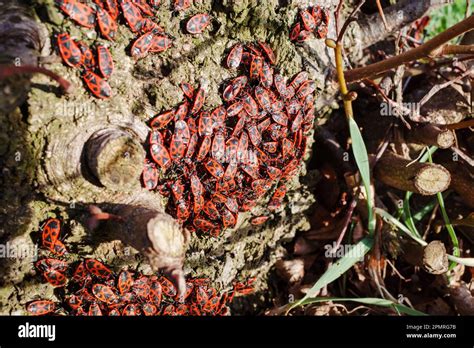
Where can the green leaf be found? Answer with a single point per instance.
(408, 219)
(362, 160)
(447, 223)
(389, 218)
(355, 254)
(369, 301)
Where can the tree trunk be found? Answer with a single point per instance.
(79, 151)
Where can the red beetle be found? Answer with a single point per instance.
(55, 278)
(69, 50)
(199, 99)
(142, 45)
(104, 293)
(256, 67)
(160, 155)
(88, 59)
(106, 63)
(160, 43)
(97, 268)
(162, 120)
(78, 11)
(107, 25)
(268, 52)
(180, 5)
(235, 56)
(214, 168)
(198, 23)
(132, 15)
(97, 85)
(228, 219)
(150, 176)
(308, 20)
(125, 281)
(41, 307)
(50, 234)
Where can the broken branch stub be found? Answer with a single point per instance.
(422, 178)
(155, 234)
(98, 161)
(115, 158)
(432, 135)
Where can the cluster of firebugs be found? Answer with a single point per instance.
(212, 164)
(137, 14)
(223, 161)
(94, 289)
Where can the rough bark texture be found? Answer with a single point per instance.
(53, 175)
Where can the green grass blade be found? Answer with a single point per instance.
(369, 301)
(447, 223)
(423, 211)
(362, 160)
(408, 219)
(355, 254)
(466, 261)
(390, 219)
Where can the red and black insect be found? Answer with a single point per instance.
(199, 99)
(214, 168)
(80, 272)
(142, 45)
(132, 15)
(94, 310)
(188, 90)
(144, 7)
(259, 220)
(235, 56)
(268, 52)
(74, 301)
(150, 176)
(88, 59)
(97, 268)
(55, 278)
(180, 5)
(125, 281)
(97, 85)
(40, 307)
(69, 50)
(149, 309)
(198, 23)
(162, 120)
(106, 63)
(50, 234)
(156, 293)
(169, 310)
(78, 12)
(228, 219)
(167, 286)
(50, 263)
(160, 43)
(256, 66)
(104, 293)
(107, 24)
